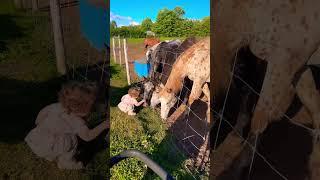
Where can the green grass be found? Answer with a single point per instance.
(29, 81)
(145, 132)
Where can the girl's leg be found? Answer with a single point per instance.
(67, 161)
(87, 150)
(131, 113)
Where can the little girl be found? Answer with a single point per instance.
(58, 125)
(129, 100)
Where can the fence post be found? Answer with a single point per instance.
(34, 5)
(58, 37)
(18, 4)
(119, 49)
(125, 48)
(24, 4)
(114, 50)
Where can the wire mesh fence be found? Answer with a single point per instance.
(224, 157)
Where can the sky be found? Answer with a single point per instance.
(132, 12)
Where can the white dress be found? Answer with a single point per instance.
(127, 103)
(56, 135)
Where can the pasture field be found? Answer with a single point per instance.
(29, 81)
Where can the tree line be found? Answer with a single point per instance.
(169, 23)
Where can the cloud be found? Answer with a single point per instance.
(114, 16)
(134, 23)
(123, 20)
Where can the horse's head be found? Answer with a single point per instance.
(147, 89)
(155, 96)
(167, 99)
(148, 54)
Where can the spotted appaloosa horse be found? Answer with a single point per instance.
(161, 58)
(282, 33)
(194, 63)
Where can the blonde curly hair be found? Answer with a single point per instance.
(78, 97)
(134, 92)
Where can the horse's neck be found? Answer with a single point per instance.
(175, 80)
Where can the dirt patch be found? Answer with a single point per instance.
(135, 51)
(190, 130)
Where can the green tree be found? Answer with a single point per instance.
(146, 24)
(113, 24)
(179, 11)
(169, 22)
(113, 28)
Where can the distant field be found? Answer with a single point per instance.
(140, 40)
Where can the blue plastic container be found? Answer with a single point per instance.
(141, 69)
(94, 22)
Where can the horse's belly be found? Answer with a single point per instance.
(291, 27)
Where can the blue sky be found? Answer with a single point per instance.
(126, 12)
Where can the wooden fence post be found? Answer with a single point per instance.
(125, 48)
(120, 50)
(58, 37)
(35, 5)
(18, 4)
(114, 50)
(24, 4)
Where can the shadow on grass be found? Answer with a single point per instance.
(169, 158)
(9, 30)
(117, 93)
(22, 101)
(167, 155)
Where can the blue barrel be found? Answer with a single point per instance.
(141, 69)
(94, 23)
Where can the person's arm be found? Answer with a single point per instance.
(87, 134)
(139, 103)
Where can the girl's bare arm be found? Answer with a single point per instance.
(139, 103)
(89, 134)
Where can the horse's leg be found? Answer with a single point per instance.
(243, 115)
(206, 92)
(203, 155)
(310, 97)
(275, 96)
(195, 92)
(273, 100)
